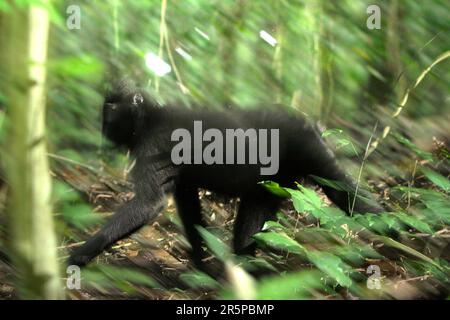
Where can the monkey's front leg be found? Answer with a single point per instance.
(128, 219)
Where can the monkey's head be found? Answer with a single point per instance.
(121, 112)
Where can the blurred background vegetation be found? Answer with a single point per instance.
(318, 57)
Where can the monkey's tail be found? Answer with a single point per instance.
(345, 192)
(338, 185)
(340, 188)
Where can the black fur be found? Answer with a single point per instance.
(132, 120)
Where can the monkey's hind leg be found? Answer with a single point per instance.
(254, 210)
(189, 210)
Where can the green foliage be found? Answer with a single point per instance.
(299, 285)
(331, 265)
(105, 276)
(419, 152)
(342, 73)
(73, 208)
(437, 179)
(339, 262)
(280, 241)
(275, 188)
(217, 246)
(77, 67)
(197, 279)
(341, 139)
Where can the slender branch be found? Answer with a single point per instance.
(366, 155)
(57, 157)
(172, 62)
(162, 32)
(405, 98)
(116, 24)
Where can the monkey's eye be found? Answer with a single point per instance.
(111, 106)
(137, 99)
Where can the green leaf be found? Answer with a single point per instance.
(217, 246)
(331, 265)
(414, 222)
(378, 223)
(64, 193)
(273, 226)
(423, 154)
(76, 66)
(299, 285)
(411, 251)
(80, 215)
(330, 132)
(390, 220)
(110, 275)
(437, 202)
(342, 143)
(275, 188)
(311, 196)
(305, 199)
(337, 185)
(437, 179)
(198, 279)
(250, 263)
(279, 241)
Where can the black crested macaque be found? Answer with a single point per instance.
(154, 136)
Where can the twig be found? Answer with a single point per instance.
(55, 156)
(172, 62)
(410, 183)
(71, 245)
(420, 278)
(116, 25)
(366, 155)
(405, 98)
(162, 31)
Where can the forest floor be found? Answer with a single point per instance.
(159, 250)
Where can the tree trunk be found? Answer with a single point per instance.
(32, 236)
